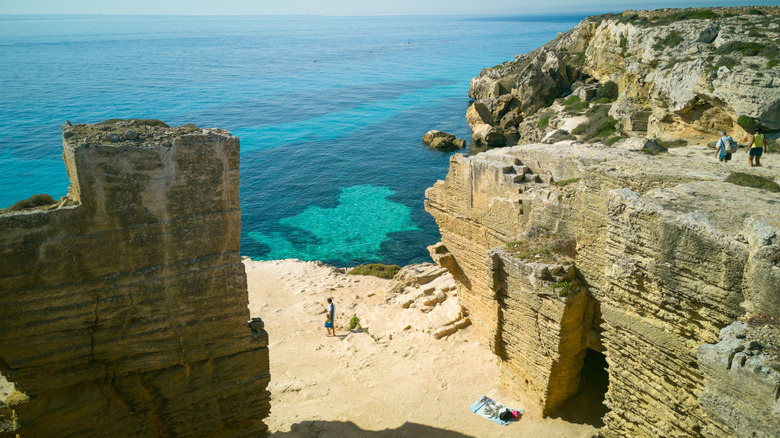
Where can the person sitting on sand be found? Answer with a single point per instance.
(756, 149)
(724, 141)
(329, 321)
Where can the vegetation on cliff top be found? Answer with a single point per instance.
(599, 125)
(543, 247)
(376, 269)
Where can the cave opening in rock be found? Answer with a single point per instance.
(587, 406)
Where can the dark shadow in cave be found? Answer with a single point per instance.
(587, 407)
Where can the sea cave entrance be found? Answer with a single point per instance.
(587, 405)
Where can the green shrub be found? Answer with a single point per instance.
(599, 123)
(543, 122)
(772, 63)
(31, 202)
(755, 181)
(612, 140)
(747, 48)
(703, 14)
(565, 182)
(756, 34)
(712, 72)
(725, 61)
(747, 123)
(755, 12)
(771, 51)
(563, 288)
(354, 322)
(608, 91)
(628, 18)
(670, 40)
(575, 104)
(376, 269)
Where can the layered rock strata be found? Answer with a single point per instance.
(680, 73)
(565, 254)
(742, 379)
(123, 307)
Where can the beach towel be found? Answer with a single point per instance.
(490, 409)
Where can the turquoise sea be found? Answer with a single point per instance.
(330, 111)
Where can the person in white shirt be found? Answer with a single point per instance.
(329, 321)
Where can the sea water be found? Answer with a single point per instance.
(330, 111)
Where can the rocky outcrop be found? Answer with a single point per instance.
(123, 307)
(680, 73)
(443, 140)
(742, 379)
(571, 258)
(421, 297)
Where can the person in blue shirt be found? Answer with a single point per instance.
(722, 143)
(329, 321)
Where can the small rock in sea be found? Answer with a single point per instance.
(131, 135)
(111, 136)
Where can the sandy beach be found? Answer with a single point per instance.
(354, 384)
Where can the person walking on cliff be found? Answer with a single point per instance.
(756, 149)
(329, 321)
(726, 146)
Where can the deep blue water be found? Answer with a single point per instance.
(332, 163)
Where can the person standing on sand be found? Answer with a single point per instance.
(329, 321)
(756, 149)
(722, 143)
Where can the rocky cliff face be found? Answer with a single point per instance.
(570, 258)
(686, 73)
(123, 307)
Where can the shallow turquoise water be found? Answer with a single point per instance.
(332, 163)
(355, 228)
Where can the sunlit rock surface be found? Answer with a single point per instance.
(123, 307)
(566, 256)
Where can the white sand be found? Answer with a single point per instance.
(351, 385)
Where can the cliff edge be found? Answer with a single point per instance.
(606, 275)
(123, 306)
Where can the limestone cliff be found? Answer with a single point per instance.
(681, 73)
(567, 255)
(123, 307)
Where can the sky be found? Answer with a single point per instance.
(340, 7)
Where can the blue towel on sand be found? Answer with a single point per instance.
(490, 409)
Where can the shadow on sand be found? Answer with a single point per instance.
(348, 429)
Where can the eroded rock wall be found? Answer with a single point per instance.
(123, 308)
(681, 73)
(668, 253)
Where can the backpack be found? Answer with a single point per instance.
(731, 145)
(506, 415)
